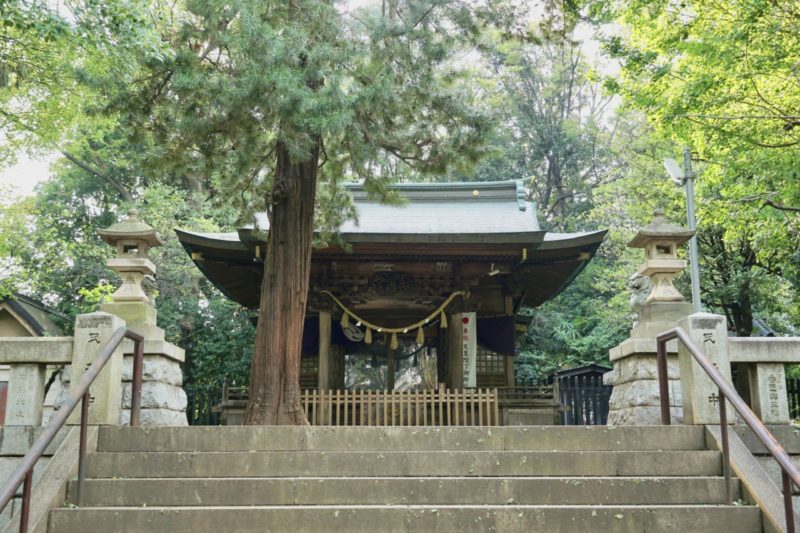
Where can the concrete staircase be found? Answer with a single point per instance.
(553, 479)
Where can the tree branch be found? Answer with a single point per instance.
(123, 191)
(768, 200)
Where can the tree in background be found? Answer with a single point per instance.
(560, 134)
(268, 100)
(56, 256)
(183, 106)
(558, 127)
(722, 78)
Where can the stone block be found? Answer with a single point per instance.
(156, 417)
(638, 367)
(133, 313)
(148, 331)
(9, 464)
(641, 416)
(636, 346)
(657, 317)
(156, 395)
(17, 440)
(152, 347)
(92, 332)
(643, 393)
(768, 395)
(156, 368)
(44, 350)
(764, 349)
(700, 394)
(25, 395)
(639, 403)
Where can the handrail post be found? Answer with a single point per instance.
(787, 501)
(136, 386)
(663, 380)
(82, 446)
(726, 455)
(26, 502)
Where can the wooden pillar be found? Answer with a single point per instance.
(324, 367)
(511, 380)
(390, 369)
(455, 362)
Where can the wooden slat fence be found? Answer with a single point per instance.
(437, 407)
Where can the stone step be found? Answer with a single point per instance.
(272, 438)
(389, 519)
(436, 463)
(396, 491)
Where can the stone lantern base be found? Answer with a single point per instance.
(635, 399)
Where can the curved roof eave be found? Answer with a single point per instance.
(556, 264)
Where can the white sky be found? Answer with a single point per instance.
(24, 175)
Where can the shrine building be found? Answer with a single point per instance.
(434, 284)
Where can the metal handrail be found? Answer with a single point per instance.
(789, 472)
(23, 474)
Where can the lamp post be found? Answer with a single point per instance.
(684, 177)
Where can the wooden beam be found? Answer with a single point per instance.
(508, 304)
(455, 363)
(390, 369)
(511, 380)
(323, 371)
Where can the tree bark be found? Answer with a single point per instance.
(275, 370)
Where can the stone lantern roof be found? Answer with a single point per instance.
(132, 228)
(661, 229)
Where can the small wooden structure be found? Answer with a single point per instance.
(583, 397)
(432, 285)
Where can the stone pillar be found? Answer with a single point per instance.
(25, 395)
(700, 394)
(92, 332)
(768, 394)
(635, 399)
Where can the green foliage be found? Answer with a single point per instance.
(556, 132)
(722, 79)
(50, 251)
(179, 109)
(587, 319)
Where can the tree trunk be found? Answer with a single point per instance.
(745, 327)
(275, 370)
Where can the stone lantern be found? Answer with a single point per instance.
(660, 241)
(132, 240)
(635, 398)
(163, 399)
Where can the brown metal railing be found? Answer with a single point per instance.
(789, 472)
(23, 474)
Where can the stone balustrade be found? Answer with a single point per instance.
(765, 358)
(28, 358)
